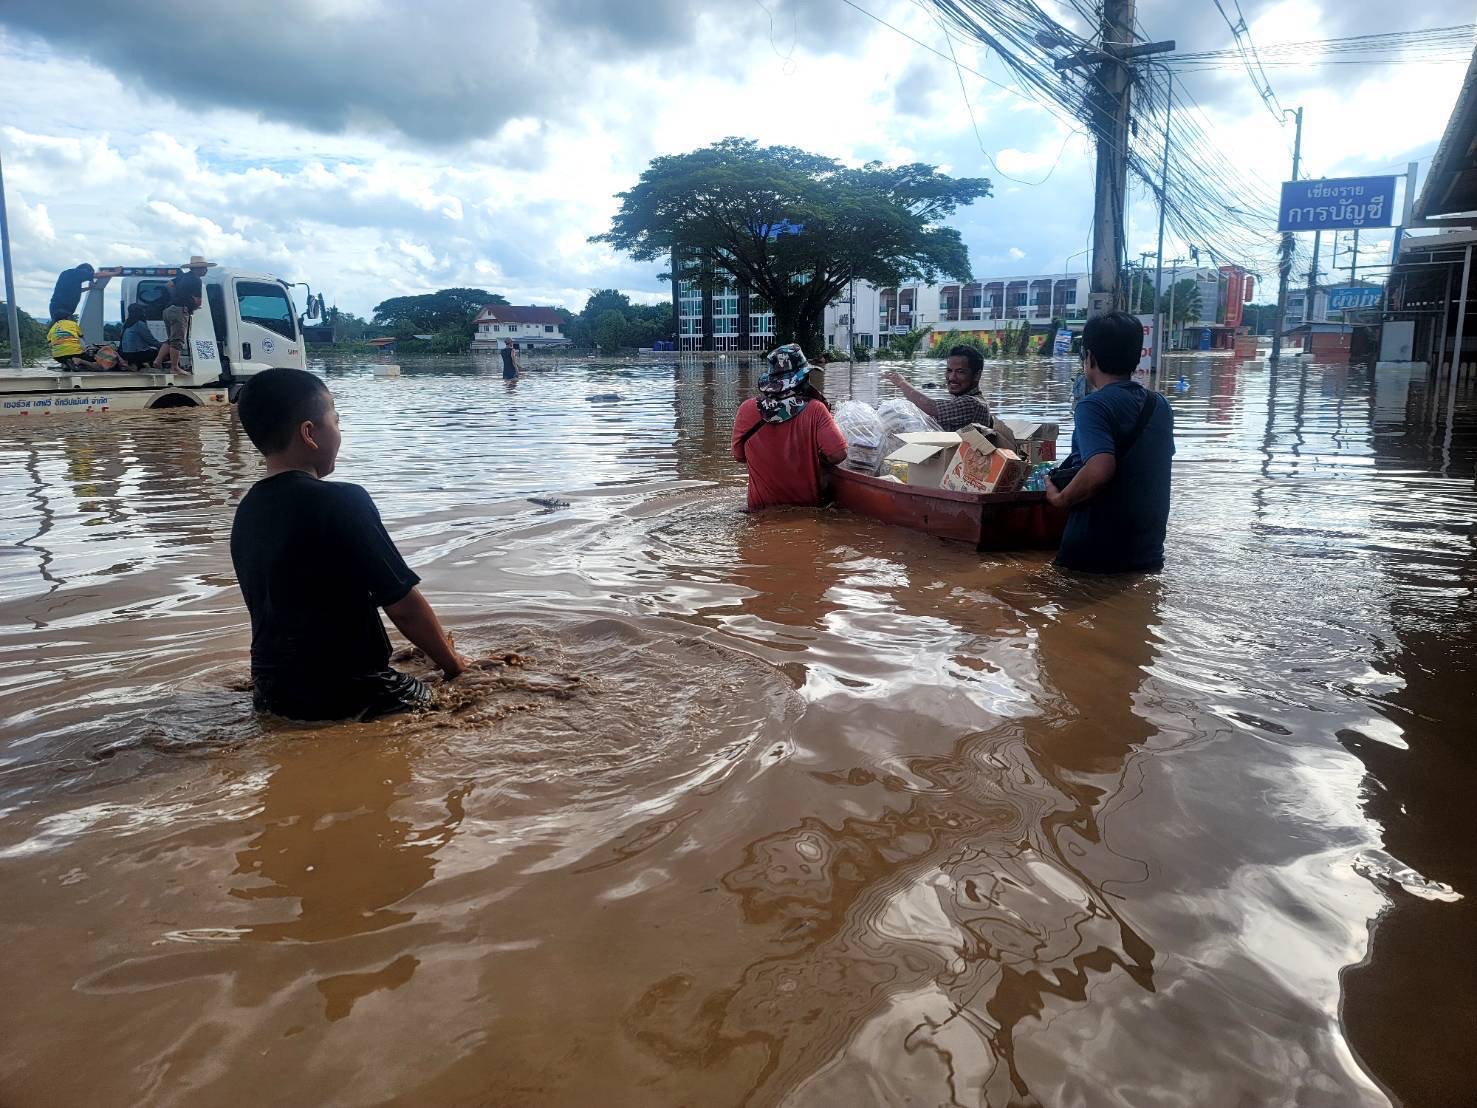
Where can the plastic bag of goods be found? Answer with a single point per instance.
(864, 435)
(901, 416)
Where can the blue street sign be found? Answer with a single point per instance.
(784, 227)
(1339, 202)
(1353, 296)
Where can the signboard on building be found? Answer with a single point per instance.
(1353, 296)
(1235, 293)
(1339, 202)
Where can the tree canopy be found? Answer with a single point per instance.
(639, 324)
(1186, 294)
(32, 335)
(431, 312)
(794, 227)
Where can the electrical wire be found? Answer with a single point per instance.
(1201, 177)
(974, 122)
(1247, 49)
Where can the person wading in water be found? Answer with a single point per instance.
(510, 361)
(785, 434)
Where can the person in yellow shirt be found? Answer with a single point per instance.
(65, 337)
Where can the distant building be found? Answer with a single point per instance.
(1428, 317)
(870, 315)
(529, 327)
(867, 316)
(726, 317)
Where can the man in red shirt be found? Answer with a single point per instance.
(785, 434)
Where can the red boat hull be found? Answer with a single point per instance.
(988, 521)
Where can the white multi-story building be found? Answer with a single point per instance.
(995, 303)
(728, 317)
(529, 327)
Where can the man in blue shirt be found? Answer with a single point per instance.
(1123, 439)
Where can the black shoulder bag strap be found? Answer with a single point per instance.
(1146, 413)
(812, 393)
(751, 432)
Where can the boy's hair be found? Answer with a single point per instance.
(187, 290)
(275, 402)
(1116, 340)
(136, 312)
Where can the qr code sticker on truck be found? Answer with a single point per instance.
(204, 350)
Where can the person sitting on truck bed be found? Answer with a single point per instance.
(315, 565)
(964, 404)
(138, 345)
(65, 337)
(187, 297)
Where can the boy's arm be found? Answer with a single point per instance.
(390, 582)
(417, 621)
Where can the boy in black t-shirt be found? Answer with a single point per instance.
(315, 564)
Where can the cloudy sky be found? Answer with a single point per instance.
(376, 148)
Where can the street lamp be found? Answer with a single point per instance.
(1067, 265)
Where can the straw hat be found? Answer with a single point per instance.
(197, 262)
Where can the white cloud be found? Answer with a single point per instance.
(508, 199)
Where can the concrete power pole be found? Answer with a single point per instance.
(1108, 107)
(1312, 292)
(12, 320)
(1284, 268)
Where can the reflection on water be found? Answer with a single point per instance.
(795, 809)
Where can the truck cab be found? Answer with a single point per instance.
(246, 323)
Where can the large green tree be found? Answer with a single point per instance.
(642, 324)
(1186, 295)
(443, 310)
(1137, 283)
(730, 212)
(32, 334)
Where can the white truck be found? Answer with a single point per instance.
(245, 324)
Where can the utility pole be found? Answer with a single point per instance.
(1174, 273)
(12, 320)
(1141, 275)
(1108, 104)
(851, 319)
(1354, 261)
(1312, 292)
(1284, 266)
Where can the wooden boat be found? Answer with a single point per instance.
(989, 521)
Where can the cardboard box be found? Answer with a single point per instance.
(1035, 442)
(978, 465)
(926, 454)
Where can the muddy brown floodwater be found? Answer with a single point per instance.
(787, 810)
